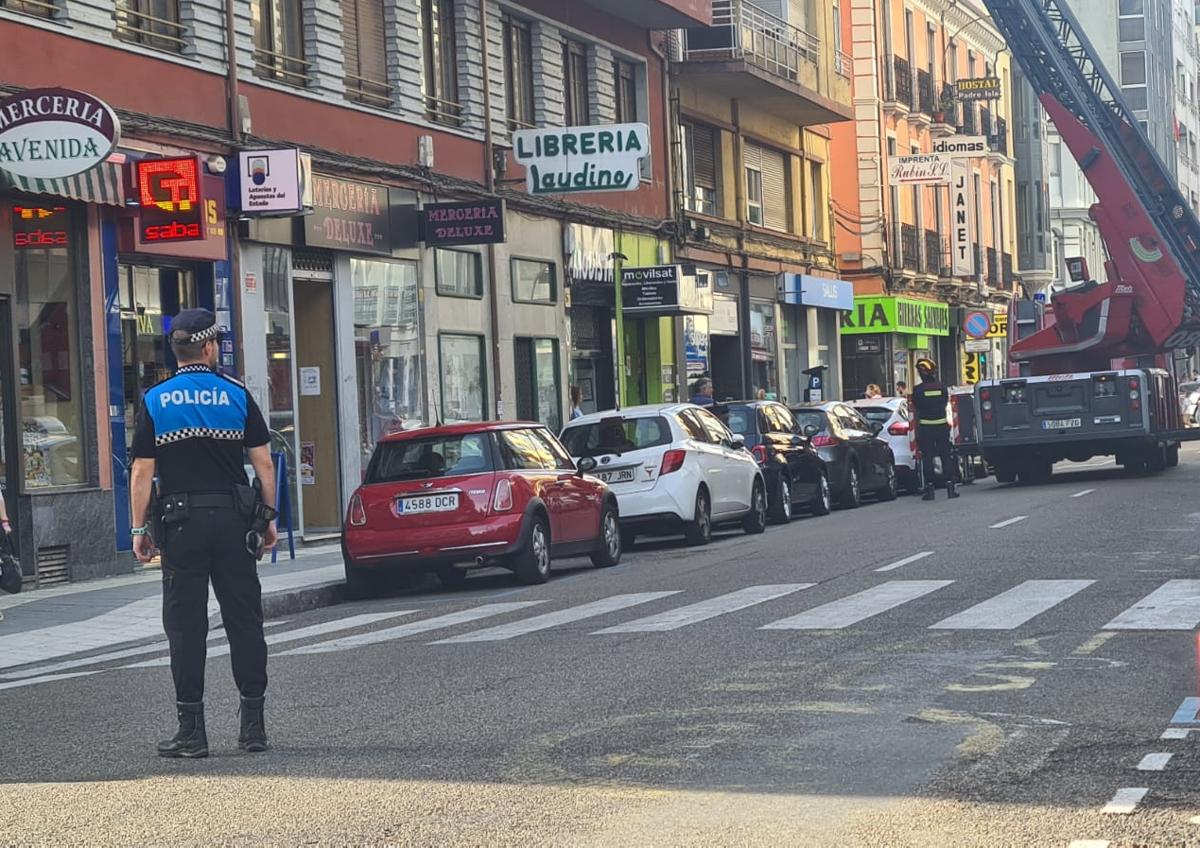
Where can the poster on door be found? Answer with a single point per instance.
(308, 463)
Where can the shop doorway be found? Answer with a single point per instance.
(725, 356)
(317, 451)
(11, 469)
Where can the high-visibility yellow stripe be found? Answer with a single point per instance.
(932, 421)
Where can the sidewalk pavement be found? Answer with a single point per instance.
(43, 624)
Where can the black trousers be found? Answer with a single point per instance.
(211, 545)
(934, 440)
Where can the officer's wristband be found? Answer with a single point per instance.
(139, 531)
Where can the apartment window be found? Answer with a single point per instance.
(575, 84)
(518, 73)
(441, 65)
(363, 52)
(699, 148)
(819, 208)
(533, 281)
(463, 377)
(539, 391)
(625, 84)
(459, 273)
(766, 187)
(1131, 20)
(154, 23)
(37, 8)
(910, 46)
(952, 63)
(279, 41)
(1133, 79)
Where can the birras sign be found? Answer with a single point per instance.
(896, 315)
(51, 133)
(564, 160)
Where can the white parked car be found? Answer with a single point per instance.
(674, 468)
(895, 417)
(1189, 403)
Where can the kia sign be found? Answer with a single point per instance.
(51, 133)
(920, 169)
(959, 146)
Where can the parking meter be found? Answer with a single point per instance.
(815, 393)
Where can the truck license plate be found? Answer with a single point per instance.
(1062, 423)
(619, 475)
(427, 503)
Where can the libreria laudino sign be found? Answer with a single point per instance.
(560, 160)
(49, 133)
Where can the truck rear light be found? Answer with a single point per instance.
(985, 394)
(503, 499)
(759, 452)
(673, 461)
(824, 441)
(987, 406)
(358, 515)
(987, 415)
(1135, 405)
(1133, 394)
(900, 428)
(1134, 382)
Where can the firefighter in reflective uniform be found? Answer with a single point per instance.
(193, 430)
(930, 399)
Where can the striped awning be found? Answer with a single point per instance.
(101, 184)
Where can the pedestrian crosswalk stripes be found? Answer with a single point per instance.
(1175, 605)
(859, 606)
(390, 634)
(554, 619)
(704, 610)
(1011, 609)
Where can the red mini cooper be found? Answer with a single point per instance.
(478, 494)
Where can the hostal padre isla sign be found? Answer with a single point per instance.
(562, 160)
(50, 133)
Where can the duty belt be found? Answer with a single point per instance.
(210, 500)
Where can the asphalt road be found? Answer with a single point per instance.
(928, 678)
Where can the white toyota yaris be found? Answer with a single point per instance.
(674, 468)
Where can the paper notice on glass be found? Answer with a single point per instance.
(310, 381)
(308, 459)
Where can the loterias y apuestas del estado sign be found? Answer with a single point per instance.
(51, 133)
(562, 160)
(471, 222)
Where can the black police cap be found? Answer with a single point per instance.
(193, 326)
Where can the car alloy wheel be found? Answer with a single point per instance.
(756, 521)
(824, 502)
(785, 498)
(698, 531)
(612, 535)
(539, 549)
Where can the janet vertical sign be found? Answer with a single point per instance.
(962, 214)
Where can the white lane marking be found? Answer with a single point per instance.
(704, 610)
(1176, 733)
(1154, 762)
(1080, 495)
(49, 678)
(855, 608)
(1006, 522)
(1011, 609)
(554, 619)
(96, 659)
(1186, 712)
(1175, 605)
(900, 563)
(295, 635)
(389, 634)
(1089, 843)
(1125, 800)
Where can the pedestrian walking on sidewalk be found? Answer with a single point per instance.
(933, 428)
(191, 431)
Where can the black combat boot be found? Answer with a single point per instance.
(191, 741)
(253, 735)
(929, 493)
(951, 492)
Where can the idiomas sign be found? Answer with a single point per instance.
(896, 315)
(51, 133)
(562, 160)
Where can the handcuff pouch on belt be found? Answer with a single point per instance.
(251, 506)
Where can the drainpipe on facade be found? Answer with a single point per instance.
(670, 133)
(232, 238)
(489, 173)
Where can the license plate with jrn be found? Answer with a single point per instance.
(1062, 423)
(621, 475)
(427, 503)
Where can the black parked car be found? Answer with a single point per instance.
(794, 471)
(859, 462)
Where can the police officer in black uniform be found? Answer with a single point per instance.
(933, 428)
(191, 432)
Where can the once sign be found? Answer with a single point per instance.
(563, 160)
(51, 133)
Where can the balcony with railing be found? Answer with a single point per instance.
(945, 112)
(1006, 269)
(998, 139)
(968, 126)
(134, 23)
(910, 248)
(749, 53)
(935, 257)
(843, 64)
(926, 103)
(898, 85)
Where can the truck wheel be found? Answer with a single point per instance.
(1173, 456)
(1157, 460)
(1005, 474)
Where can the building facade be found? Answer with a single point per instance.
(924, 246)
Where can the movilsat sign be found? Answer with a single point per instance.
(563, 160)
(51, 133)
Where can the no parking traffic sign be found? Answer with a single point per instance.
(977, 324)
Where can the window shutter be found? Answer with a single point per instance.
(752, 156)
(350, 37)
(371, 61)
(775, 199)
(704, 156)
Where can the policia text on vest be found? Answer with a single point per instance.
(193, 433)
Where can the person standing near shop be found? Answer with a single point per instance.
(191, 432)
(702, 392)
(930, 398)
